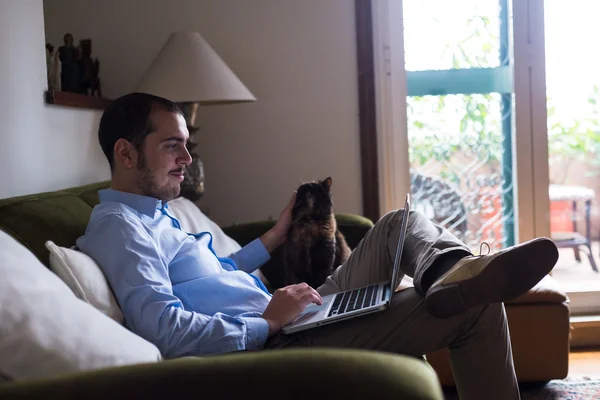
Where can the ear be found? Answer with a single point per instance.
(125, 153)
(327, 182)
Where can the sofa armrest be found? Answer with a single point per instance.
(294, 373)
(354, 227)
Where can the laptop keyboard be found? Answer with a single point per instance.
(354, 300)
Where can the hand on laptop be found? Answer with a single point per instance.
(287, 303)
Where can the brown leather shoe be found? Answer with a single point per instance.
(493, 278)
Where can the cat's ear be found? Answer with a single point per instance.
(327, 183)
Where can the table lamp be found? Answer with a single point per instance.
(189, 72)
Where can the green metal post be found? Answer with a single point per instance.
(507, 157)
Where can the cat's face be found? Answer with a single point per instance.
(314, 198)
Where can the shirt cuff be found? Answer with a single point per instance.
(257, 332)
(253, 255)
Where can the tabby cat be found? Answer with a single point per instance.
(314, 247)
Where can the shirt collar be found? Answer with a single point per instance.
(143, 204)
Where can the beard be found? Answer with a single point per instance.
(146, 181)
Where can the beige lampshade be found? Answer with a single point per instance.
(187, 69)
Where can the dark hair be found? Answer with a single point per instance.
(128, 117)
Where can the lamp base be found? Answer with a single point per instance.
(192, 187)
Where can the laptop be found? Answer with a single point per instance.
(356, 302)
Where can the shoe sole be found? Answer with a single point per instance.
(506, 277)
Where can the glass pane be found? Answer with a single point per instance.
(442, 34)
(460, 145)
(457, 157)
(573, 101)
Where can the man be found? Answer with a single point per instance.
(175, 292)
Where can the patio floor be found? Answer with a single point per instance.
(576, 276)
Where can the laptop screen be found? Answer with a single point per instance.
(396, 273)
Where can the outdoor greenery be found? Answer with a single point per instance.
(452, 130)
(469, 125)
(478, 133)
(575, 139)
(456, 141)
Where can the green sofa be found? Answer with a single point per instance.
(62, 216)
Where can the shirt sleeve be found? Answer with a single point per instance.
(138, 274)
(251, 256)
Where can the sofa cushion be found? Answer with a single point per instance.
(85, 278)
(46, 331)
(59, 216)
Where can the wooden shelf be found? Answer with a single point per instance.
(69, 99)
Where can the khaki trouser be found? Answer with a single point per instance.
(478, 340)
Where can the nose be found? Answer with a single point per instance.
(185, 158)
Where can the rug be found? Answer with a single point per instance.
(578, 388)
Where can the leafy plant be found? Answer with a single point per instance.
(477, 134)
(575, 140)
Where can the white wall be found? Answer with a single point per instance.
(297, 57)
(41, 147)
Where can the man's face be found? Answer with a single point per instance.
(163, 156)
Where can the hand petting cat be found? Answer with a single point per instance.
(277, 235)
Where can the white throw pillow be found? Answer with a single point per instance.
(193, 220)
(45, 330)
(85, 278)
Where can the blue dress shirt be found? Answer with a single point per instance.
(172, 288)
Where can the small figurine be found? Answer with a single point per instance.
(70, 70)
(53, 68)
